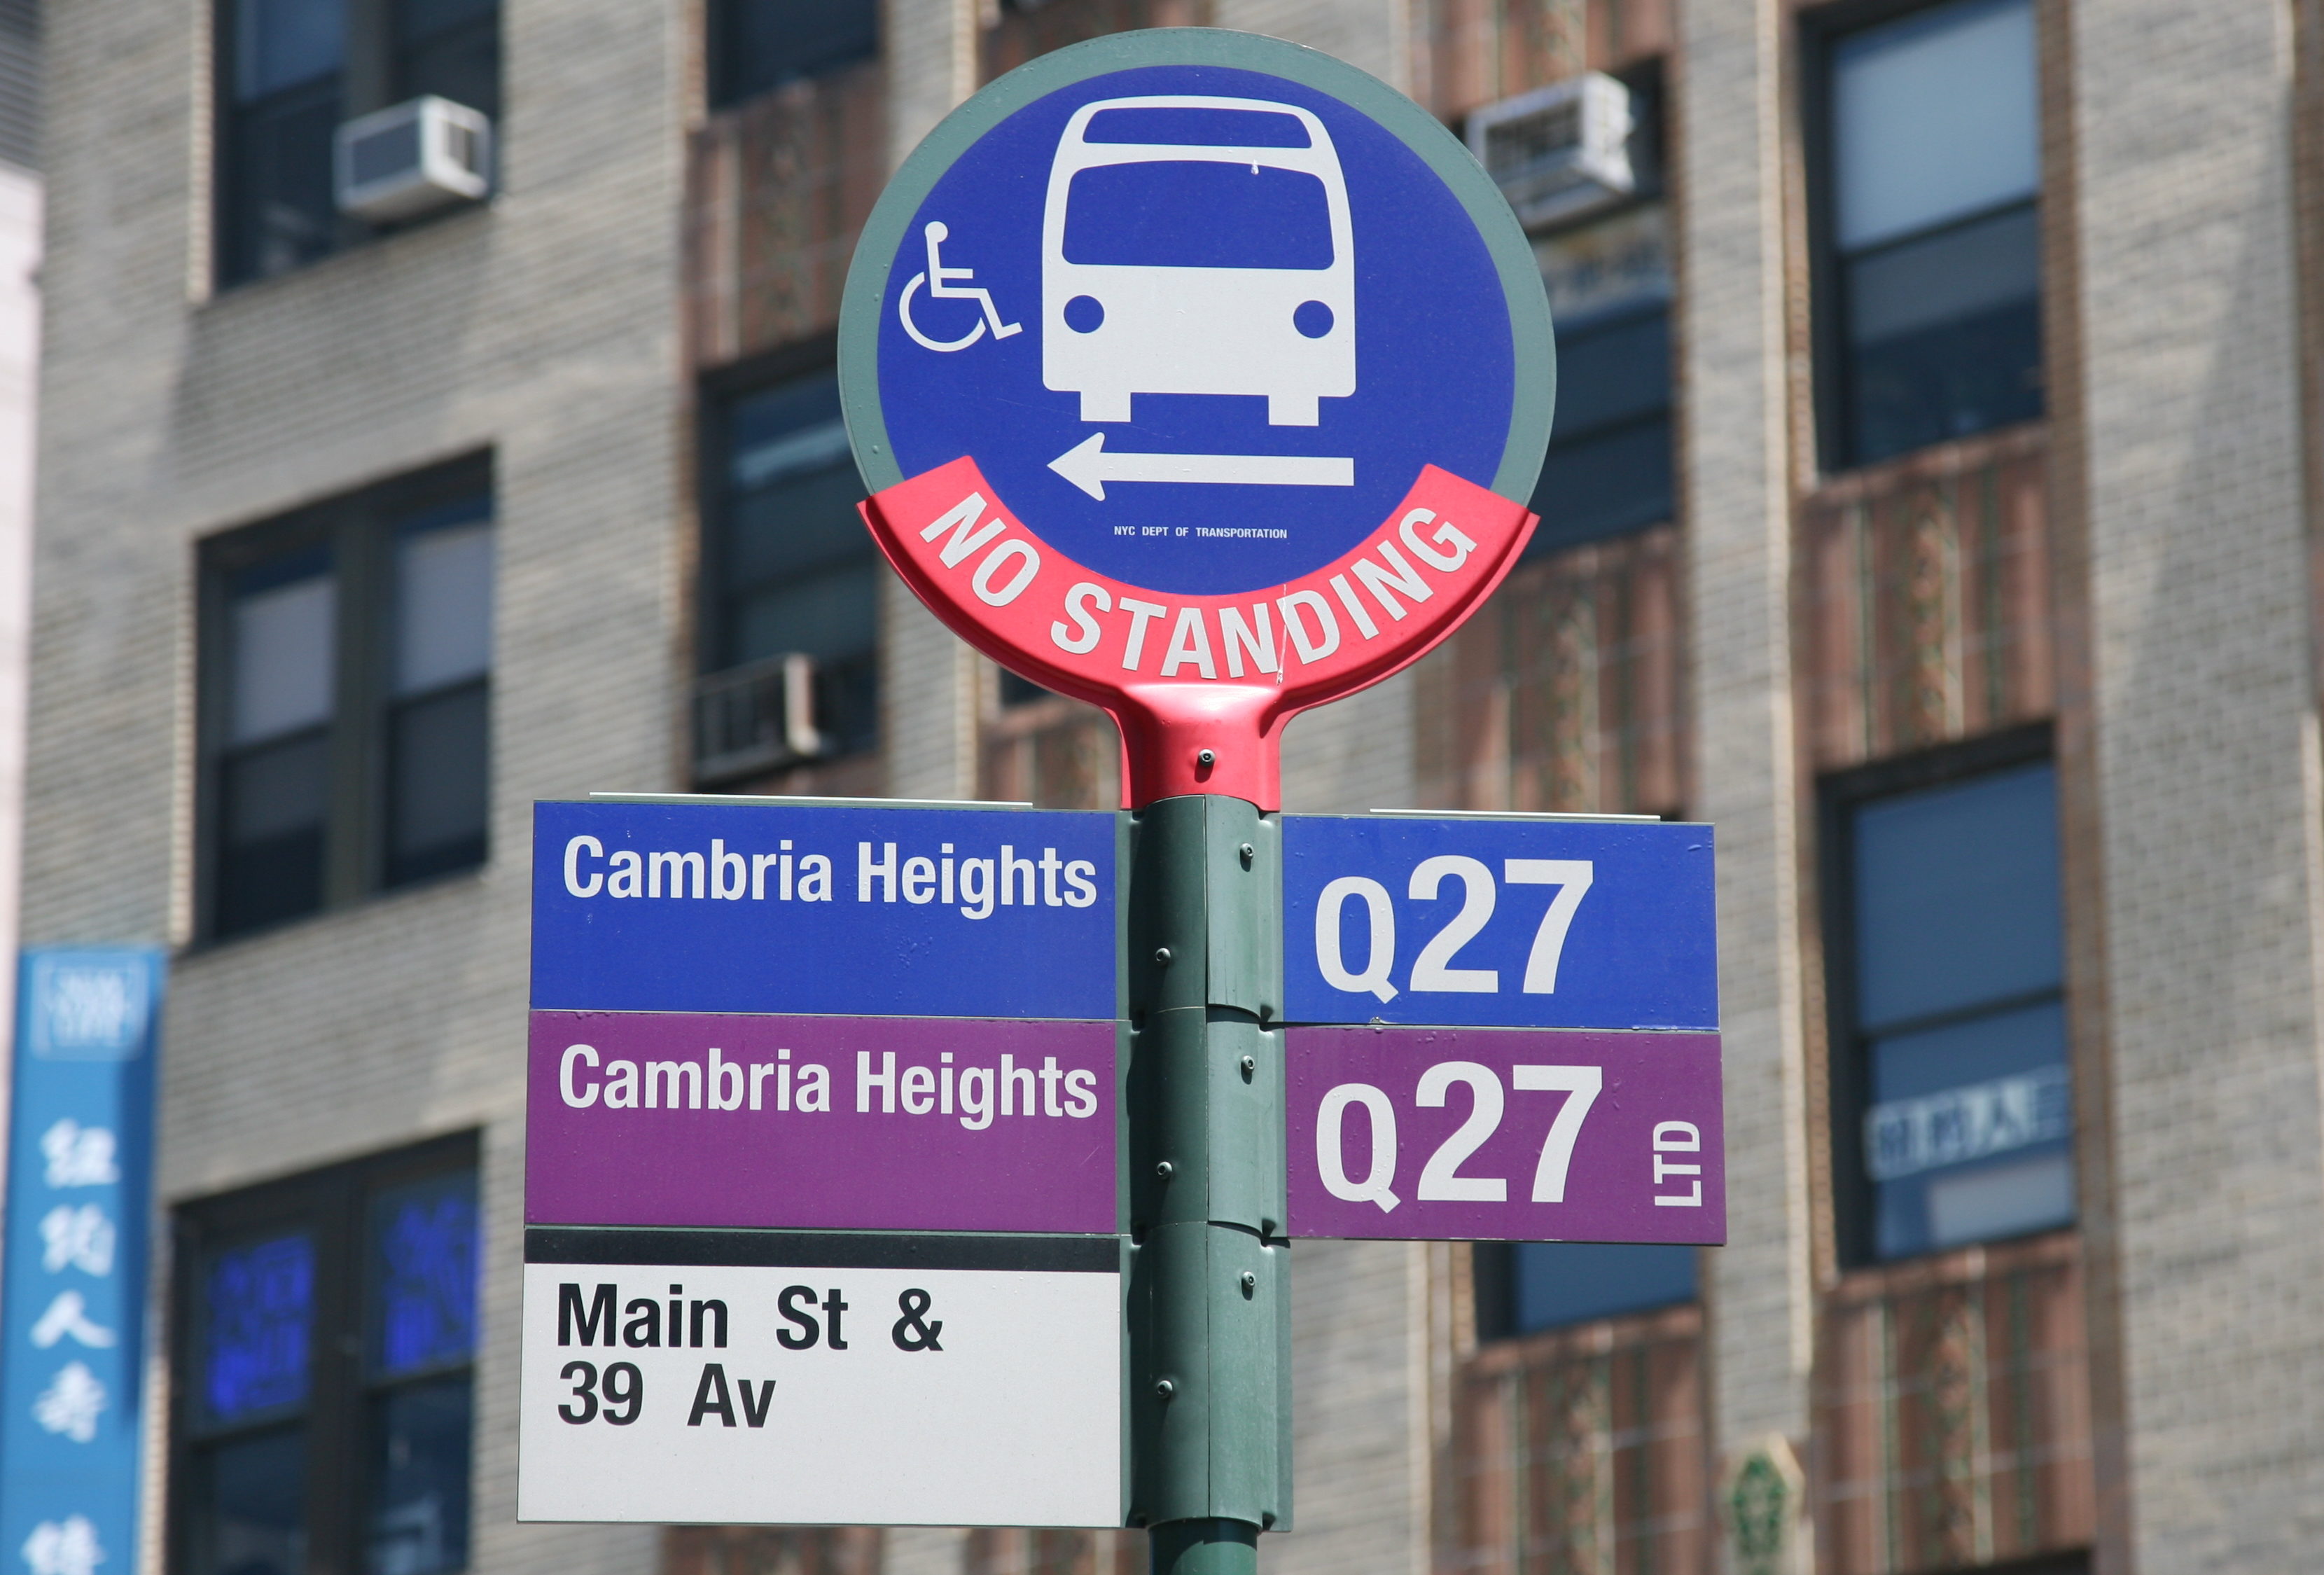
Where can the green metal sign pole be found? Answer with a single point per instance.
(1210, 1302)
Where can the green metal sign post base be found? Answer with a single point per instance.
(1205, 1547)
(1210, 1302)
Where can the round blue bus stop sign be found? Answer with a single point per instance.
(1202, 376)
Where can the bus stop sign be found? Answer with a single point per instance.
(1199, 375)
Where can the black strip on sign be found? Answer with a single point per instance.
(579, 1244)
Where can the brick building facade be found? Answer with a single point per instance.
(1950, 551)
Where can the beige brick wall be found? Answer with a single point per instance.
(19, 354)
(546, 328)
(1735, 508)
(2208, 776)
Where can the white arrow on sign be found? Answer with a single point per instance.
(1089, 468)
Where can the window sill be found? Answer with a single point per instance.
(448, 221)
(1954, 1265)
(1937, 462)
(1619, 1331)
(476, 877)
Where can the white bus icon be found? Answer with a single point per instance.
(1197, 245)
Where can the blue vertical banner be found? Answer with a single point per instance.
(80, 1145)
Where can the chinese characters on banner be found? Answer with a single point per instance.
(80, 1141)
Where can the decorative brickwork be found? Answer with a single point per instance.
(1056, 752)
(1566, 691)
(1473, 52)
(767, 1549)
(1923, 590)
(1021, 33)
(1581, 1452)
(1055, 1553)
(776, 191)
(1953, 1413)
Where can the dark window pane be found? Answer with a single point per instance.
(1936, 117)
(249, 1504)
(1935, 168)
(1608, 470)
(450, 48)
(281, 44)
(417, 1520)
(1944, 335)
(1994, 1046)
(827, 614)
(438, 771)
(798, 522)
(284, 635)
(775, 429)
(1604, 484)
(756, 44)
(1020, 691)
(257, 1314)
(272, 808)
(444, 601)
(280, 211)
(1186, 213)
(424, 1275)
(1611, 370)
(1967, 1119)
(847, 704)
(1557, 1282)
(274, 790)
(1968, 1137)
(798, 570)
(1956, 897)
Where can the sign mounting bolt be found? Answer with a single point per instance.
(1250, 1282)
(1164, 1387)
(1162, 956)
(1163, 1170)
(1249, 1066)
(1207, 758)
(1249, 852)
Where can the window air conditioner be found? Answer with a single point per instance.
(757, 717)
(415, 156)
(1558, 151)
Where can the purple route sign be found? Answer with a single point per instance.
(1505, 1135)
(821, 1123)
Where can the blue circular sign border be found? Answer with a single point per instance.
(1533, 399)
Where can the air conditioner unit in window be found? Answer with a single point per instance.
(757, 717)
(1558, 151)
(418, 155)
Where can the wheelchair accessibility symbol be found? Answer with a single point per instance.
(950, 284)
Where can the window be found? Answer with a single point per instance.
(1524, 1287)
(19, 76)
(1609, 467)
(348, 671)
(1947, 975)
(794, 579)
(1931, 264)
(292, 70)
(759, 44)
(1608, 471)
(324, 1342)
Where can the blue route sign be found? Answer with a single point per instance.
(642, 906)
(80, 1144)
(1498, 923)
